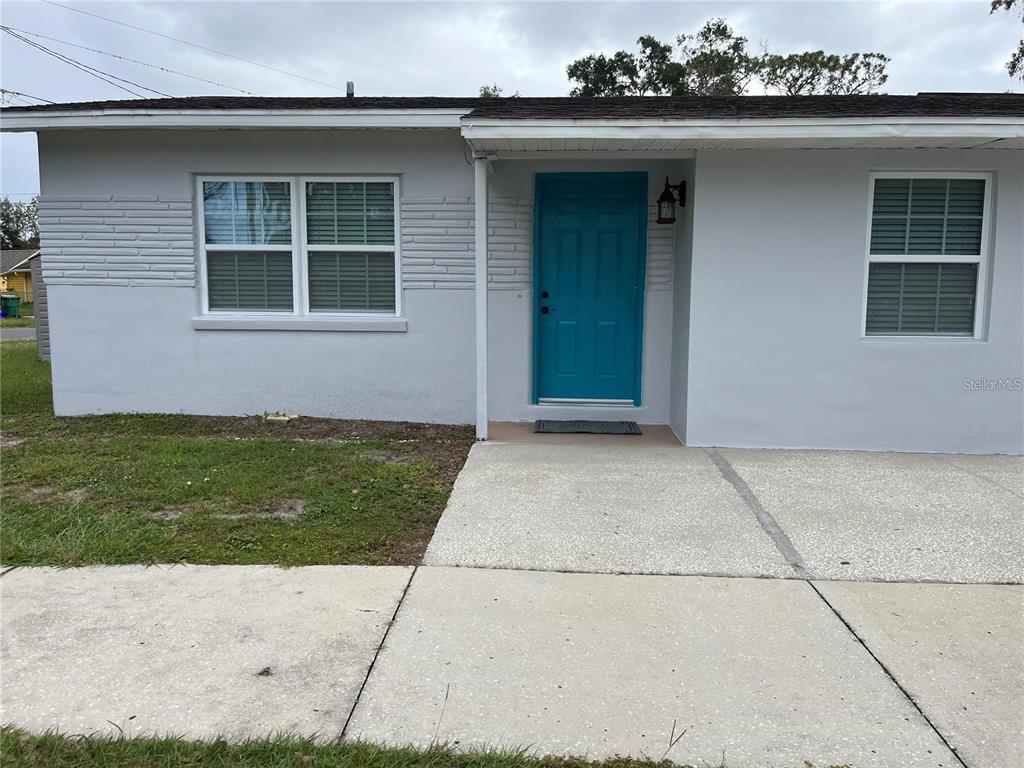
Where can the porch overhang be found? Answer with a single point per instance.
(513, 137)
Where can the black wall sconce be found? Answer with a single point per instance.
(667, 201)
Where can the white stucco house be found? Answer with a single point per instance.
(835, 272)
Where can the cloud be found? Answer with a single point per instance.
(453, 48)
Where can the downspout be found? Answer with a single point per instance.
(480, 166)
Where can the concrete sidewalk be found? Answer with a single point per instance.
(766, 672)
(197, 651)
(763, 672)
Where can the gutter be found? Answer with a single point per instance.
(58, 119)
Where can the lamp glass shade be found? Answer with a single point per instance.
(667, 208)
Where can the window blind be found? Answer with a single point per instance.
(350, 213)
(921, 299)
(927, 216)
(346, 281)
(342, 218)
(251, 280)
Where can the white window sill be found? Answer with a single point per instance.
(292, 323)
(909, 339)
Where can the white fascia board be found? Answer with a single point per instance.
(231, 118)
(753, 128)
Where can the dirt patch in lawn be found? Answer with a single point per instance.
(443, 444)
(286, 509)
(45, 494)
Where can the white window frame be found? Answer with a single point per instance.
(298, 248)
(981, 259)
(306, 248)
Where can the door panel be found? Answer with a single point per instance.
(589, 275)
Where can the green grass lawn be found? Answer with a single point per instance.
(21, 750)
(167, 489)
(17, 322)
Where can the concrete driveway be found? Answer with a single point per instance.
(644, 509)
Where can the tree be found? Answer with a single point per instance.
(715, 61)
(494, 91)
(800, 74)
(19, 224)
(626, 74)
(1015, 66)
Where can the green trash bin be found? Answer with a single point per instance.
(10, 304)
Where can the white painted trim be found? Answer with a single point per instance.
(584, 402)
(982, 259)
(234, 322)
(480, 168)
(593, 154)
(750, 128)
(231, 118)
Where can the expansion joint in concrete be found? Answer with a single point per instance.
(889, 674)
(380, 647)
(778, 536)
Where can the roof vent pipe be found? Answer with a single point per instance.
(350, 89)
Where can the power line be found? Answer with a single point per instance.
(28, 95)
(194, 45)
(72, 62)
(97, 73)
(128, 58)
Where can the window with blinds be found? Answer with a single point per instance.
(350, 246)
(925, 253)
(247, 231)
(337, 254)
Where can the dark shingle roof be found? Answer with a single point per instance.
(624, 107)
(265, 102)
(710, 107)
(10, 259)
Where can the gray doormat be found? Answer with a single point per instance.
(587, 427)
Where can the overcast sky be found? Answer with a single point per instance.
(450, 49)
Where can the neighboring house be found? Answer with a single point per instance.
(845, 271)
(16, 272)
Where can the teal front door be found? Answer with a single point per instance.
(590, 242)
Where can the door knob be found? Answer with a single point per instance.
(544, 310)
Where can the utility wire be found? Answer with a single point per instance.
(128, 58)
(97, 73)
(194, 45)
(28, 95)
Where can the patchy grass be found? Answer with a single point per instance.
(21, 750)
(24, 380)
(148, 489)
(17, 322)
